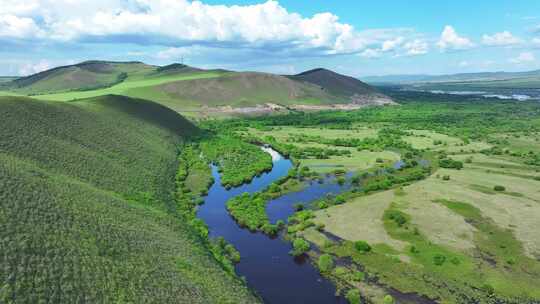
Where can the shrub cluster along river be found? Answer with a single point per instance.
(266, 263)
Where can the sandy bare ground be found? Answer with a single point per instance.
(269, 108)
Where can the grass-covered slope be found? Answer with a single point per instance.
(187, 89)
(87, 75)
(87, 212)
(342, 87)
(238, 90)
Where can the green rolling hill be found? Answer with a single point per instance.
(87, 75)
(187, 89)
(87, 212)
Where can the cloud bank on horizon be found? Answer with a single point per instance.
(165, 30)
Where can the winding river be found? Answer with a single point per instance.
(266, 264)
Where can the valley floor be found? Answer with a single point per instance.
(466, 232)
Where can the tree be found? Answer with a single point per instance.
(325, 263)
(450, 164)
(362, 246)
(388, 299)
(340, 199)
(439, 259)
(300, 246)
(353, 296)
(499, 188)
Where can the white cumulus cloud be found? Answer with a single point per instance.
(451, 40)
(18, 27)
(504, 38)
(416, 47)
(524, 57)
(183, 23)
(392, 44)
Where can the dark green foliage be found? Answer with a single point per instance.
(88, 211)
(499, 188)
(300, 246)
(353, 296)
(362, 246)
(396, 216)
(238, 161)
(300, 221)
(249, 210)
(450, 164)
(225, 253)
(325, 263)
(439, 259)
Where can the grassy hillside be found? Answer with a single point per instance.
(84, 76)
(87, 212)
(334, 83)
(189, 90)
(236, 90)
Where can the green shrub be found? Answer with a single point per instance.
(358, 276)
(397, 217)
(353, 296)
(362, 246)
(499, 188)
(325, 263)
(439, 259)
(450, 164)
(388, 299)
(339, 200)
(298, 207)
(300, 246)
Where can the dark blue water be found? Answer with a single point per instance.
(266, 264)
(282, 207)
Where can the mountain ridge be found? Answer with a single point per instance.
(186, 88)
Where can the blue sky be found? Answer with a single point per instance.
(358, 38)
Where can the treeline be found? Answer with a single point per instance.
(464, 117)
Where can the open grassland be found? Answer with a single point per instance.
(356, 161)
(288, 133)
(523, 143)
(479, 236)
(430, 140)
(313, 139)
(360, 219)
(88, 210)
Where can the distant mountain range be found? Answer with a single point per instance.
(185, 88)
(485, 78)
